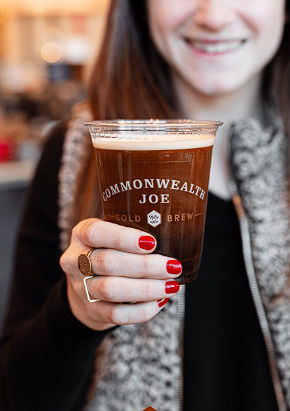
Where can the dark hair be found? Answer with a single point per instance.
(276, 84)
(131, 80)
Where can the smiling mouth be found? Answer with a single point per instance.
(216, 46)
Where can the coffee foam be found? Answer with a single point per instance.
(154, 142)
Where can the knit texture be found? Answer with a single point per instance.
(74, 157)
(259, 161)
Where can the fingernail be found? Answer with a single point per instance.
(171, 287)
(173, 267)
(147, 242)
(162, 302)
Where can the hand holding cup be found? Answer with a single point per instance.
(125, 271)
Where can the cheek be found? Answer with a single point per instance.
(166, 16)
(160, 14)
(266, 18)
(266, 21)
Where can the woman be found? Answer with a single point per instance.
(226, 345)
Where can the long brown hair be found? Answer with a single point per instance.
(131, 80)
(276, 85)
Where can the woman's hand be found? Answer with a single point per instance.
(126, 271)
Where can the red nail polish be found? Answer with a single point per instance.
(173, 267)
(146, 242)
(162, 302)
(171, 287)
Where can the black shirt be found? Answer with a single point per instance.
(225, 360)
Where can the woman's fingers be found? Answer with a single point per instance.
(100, 234)
(125, 271)
(110, 315)
(121, 289)
(104, 314)
(116, 263)
(119, 251)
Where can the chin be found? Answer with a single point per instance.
(218, 88)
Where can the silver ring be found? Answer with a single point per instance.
(85, 264)
(90, 300)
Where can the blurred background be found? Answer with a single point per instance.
(47, 48)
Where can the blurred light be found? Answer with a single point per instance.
(77, 49)
(51, 52)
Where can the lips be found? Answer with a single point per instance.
(215, 46)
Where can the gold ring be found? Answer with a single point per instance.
(85, 264)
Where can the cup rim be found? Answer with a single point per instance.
(152, 124)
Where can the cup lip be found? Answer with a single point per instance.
(153, 124)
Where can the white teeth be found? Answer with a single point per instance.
(222, 47)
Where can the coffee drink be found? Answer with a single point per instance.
(159, 185)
